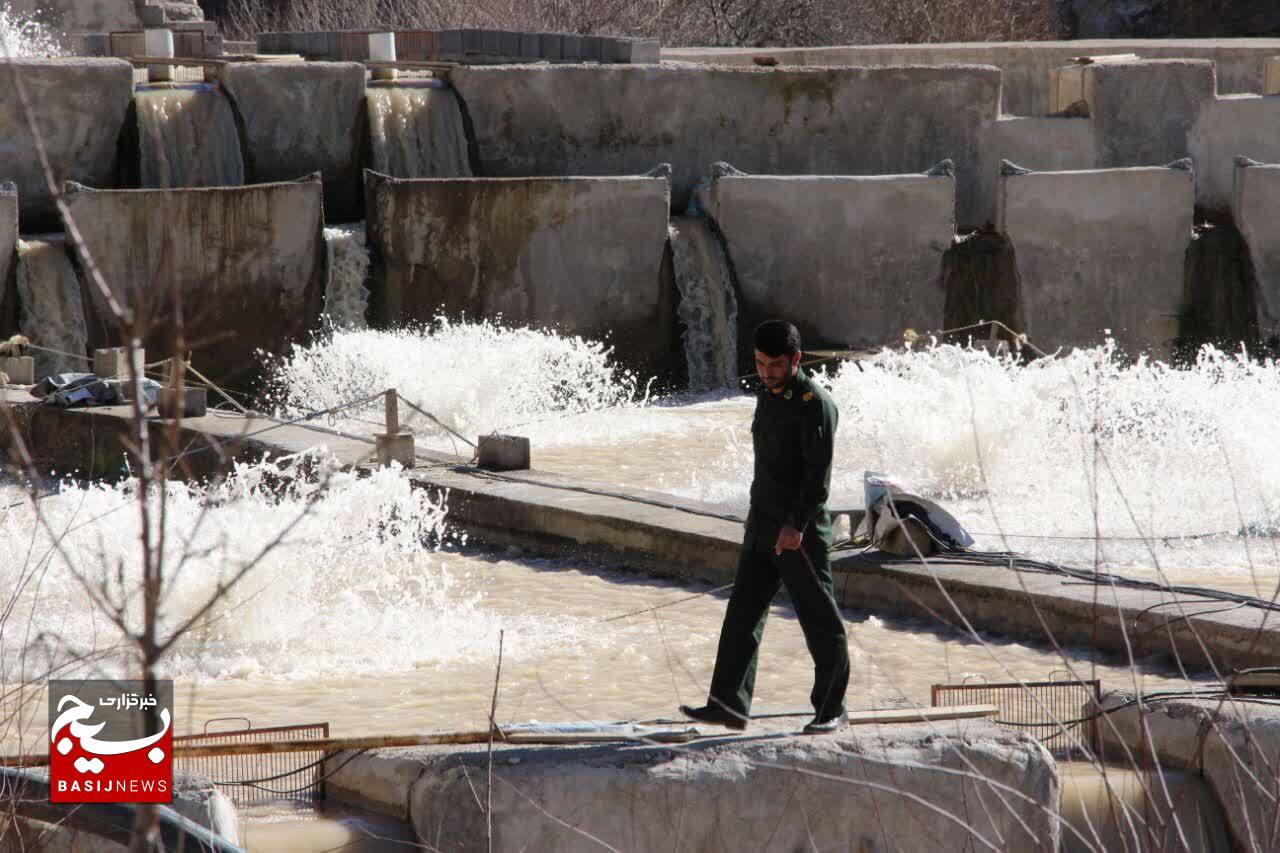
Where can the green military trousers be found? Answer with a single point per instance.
(808, 582)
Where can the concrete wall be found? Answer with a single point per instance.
(585, 120)
(303, 117)
(585, 255)
(248, 260)
(1027, 66)
(1231, 127)
(80, 107)
(1256, 203)
(8, 252)
(1100, 250)
(850, 260)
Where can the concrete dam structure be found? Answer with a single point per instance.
(665, 207)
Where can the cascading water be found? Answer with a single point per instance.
(346, 299)
(708, 309)
(416, 131)
(187, 137)
(52, 312)
(23, 35)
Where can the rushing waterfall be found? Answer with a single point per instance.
(345, 296)
(52, 312)
(187, 137)
(416, 131)
(708, 308)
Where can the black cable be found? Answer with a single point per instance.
(252, 783)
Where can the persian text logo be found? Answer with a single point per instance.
(110, 742)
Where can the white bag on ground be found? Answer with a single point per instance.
(905, 524)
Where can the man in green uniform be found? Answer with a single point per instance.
(787, 536)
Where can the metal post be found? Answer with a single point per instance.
(391, 405)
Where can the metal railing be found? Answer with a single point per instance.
(271, 776)
(1047, 710)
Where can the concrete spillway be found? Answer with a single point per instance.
(708, 309)
(346, 296)
(52, 313)
(187, 137)
(416, 131)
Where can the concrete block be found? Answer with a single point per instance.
(788, 242)
(550, 46)
(1066, 88)
(1231, 127)
(1100, 250)
(394, 447)
(503, 453)
(570, 47)
(20, 369)
(185, 403)
(1256, 199)
(1042, 144)
(82, 109)
(263, 277)
(622, 119)
(533, 241)
(111, 363)
(634, 50)
(278, 150)
(1143, 111)
(1271, 76)
(733, 792)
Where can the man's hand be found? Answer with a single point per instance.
(788, 540)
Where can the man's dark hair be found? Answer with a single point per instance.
(777, 337)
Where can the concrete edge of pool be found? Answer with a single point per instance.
(557, 514)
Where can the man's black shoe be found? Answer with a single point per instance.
(820, 726)
(715, 715)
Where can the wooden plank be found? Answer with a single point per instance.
(922, 715)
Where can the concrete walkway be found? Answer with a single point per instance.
(662, 534)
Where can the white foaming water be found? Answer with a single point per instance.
(23, 35)
(1028, 450)
(187, 137)
(416, 131)
(346, 299)
(475, 377)
(355, 560)
(52, 312)
(708, 308)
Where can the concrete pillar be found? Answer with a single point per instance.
(394, 445)
(382, 46)
(1271, 76)
(112, 363)
(159, 43)
(21, 369)
(503, 453)
(188, 402)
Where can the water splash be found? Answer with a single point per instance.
(23, 35)
(417, 132)
(52, 310)
(357, 559)
(476, 377)
(187, 137)
(708, 308)
(346, 299)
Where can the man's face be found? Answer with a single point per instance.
(775, 370)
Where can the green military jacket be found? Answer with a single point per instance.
(793, 435)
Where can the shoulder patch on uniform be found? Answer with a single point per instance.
(808, 395)
(786, 395)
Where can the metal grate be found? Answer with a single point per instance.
(127, 43)
(294, 775)
(411, 45)
(1036, 708)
